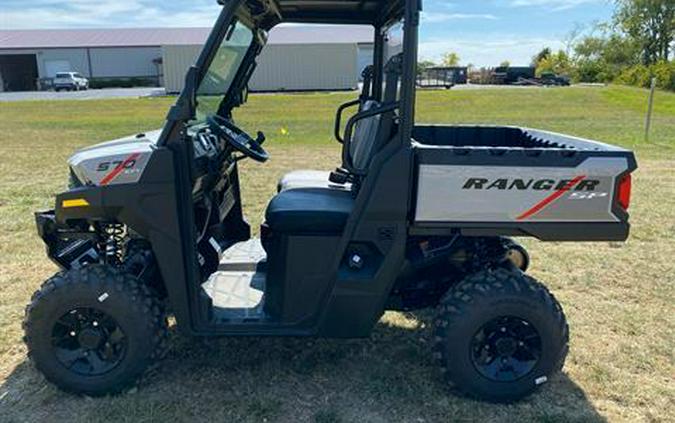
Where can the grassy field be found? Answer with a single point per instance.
(619, 297)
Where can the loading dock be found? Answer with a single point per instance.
(18, 72)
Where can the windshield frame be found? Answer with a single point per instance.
(240, 66)
(184, 109)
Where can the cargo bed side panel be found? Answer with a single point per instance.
(514, 194)
(491, 181)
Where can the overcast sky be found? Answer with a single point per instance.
(482, 32)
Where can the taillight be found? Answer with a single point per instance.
(624, 191)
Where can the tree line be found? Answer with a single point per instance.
(636, 45)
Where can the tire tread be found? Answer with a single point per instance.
(106, 279)
(456, 302)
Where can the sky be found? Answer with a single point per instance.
(482, 32)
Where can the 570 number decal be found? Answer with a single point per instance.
(106, 166)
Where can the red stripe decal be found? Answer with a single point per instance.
(120, 167)
(551, 198)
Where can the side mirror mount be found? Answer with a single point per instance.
(186, 105)
(242, 97)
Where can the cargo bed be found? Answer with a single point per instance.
(498, 180)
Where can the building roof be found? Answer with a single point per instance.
(146, 37)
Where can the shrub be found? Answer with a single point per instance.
(637, 75)
(664, 72)
(122, 82)
(641, 76)
(590, 71)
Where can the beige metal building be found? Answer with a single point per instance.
(281, 67)
(295, 59)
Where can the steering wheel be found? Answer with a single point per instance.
(238, 139)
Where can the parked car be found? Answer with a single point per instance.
(71, 81)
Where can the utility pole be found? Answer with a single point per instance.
(650, 109)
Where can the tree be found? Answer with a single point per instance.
(450, 59)
(427, 64)
(558, 63)
(505, 64)
(424, 64)
(649, 22)
(543, 54)
(601, 58)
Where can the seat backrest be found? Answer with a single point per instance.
(364, 136)
(372, 132)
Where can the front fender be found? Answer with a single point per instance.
(148, 207)
(82, 203)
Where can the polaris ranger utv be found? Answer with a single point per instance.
(416, 216)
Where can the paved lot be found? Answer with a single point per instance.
(153, 91)
(493, 87)
(82, 95)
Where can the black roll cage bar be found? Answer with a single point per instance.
(347, 159)
(338, 118)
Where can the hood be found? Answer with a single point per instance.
(119, 161)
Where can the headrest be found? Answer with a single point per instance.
(367, 72)
(394, 65)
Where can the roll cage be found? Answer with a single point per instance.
(393, 165)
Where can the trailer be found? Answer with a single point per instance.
(442, 77)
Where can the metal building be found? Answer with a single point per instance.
(297, 57)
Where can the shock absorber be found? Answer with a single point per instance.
(114, 239)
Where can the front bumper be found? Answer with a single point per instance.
(69, 247)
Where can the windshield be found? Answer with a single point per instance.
(223, 70)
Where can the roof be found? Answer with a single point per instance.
(373, 12)
(146, 37)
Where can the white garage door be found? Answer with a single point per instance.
(52, 67)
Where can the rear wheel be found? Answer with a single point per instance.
(499, 335)
(94, 330)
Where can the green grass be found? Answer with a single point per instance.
(618, 296)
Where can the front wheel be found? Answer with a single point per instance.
(94, 330)
(499, 335)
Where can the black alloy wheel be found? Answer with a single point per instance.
(506, 349)
(88, 342)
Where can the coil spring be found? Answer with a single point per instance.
(114, 240)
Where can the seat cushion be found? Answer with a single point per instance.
(308, 179)
(309, 210)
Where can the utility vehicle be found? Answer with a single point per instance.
(416, 216)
